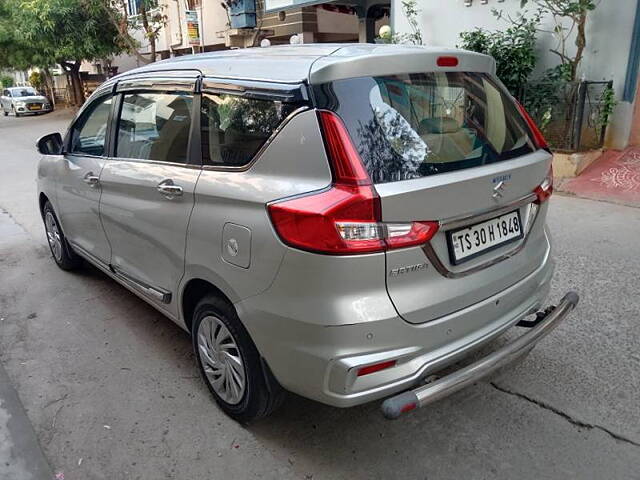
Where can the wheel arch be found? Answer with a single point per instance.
(197, 288)
(42, 199)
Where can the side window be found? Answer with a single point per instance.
(90, 131)
(155, 126)
(235, 128)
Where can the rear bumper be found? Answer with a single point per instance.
(321, 361)
(393, 407)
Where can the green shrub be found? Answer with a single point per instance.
(514, 50)
(6, 81)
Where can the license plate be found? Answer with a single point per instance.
(35, 107)
(469, 242)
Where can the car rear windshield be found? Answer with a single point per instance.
(413, 125)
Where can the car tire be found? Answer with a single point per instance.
(6, 114)
(237, 376)
(62, 252)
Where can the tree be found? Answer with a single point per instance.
(36, 79)
(15, 52)
(64, 32)
(149, 19)
(411, 12)
(569, 16)
(152, 20)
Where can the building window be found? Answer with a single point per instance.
(132, 7)
(193, 4)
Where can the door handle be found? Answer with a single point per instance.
(91, 179)
(169, 189)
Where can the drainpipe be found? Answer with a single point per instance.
(634, 60)
(200, 12)
(366, 25)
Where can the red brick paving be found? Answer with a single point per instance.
(614, 177)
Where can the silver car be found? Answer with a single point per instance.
(22, 100)
(338, 221)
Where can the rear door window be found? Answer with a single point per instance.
(155, 126)
(235, 128)
(414, 125)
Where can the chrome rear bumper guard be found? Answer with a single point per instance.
(544, 323)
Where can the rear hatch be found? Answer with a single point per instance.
(452, 147)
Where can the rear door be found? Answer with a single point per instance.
(449, 147)
(148, 186)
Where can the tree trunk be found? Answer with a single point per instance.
(148, 31)
(49, 85)
(76, 84)
(581, 43)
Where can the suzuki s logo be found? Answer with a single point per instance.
(497, 190)
(500, 184)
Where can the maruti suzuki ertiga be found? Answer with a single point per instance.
(339, 221)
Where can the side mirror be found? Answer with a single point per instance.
(50, 144)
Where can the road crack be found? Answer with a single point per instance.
(567, 417)
(64, 397)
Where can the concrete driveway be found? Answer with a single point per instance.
(112, 391)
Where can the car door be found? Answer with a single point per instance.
(148, 186)
(78, 179)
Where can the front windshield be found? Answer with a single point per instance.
(23, 92)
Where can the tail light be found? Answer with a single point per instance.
(538, 138)
(545, 189)
(346, 218)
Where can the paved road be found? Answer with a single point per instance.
(112, 391)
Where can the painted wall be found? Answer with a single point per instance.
(213, 22)
(609, 34)
(336, 22)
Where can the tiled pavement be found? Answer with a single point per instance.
(614, 177)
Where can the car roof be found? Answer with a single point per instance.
(318, 63)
